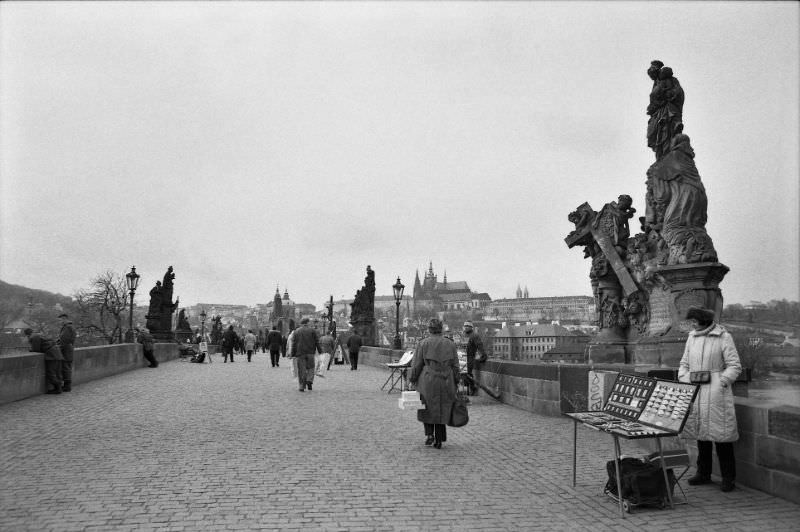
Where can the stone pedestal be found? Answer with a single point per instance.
(678, 288)
(163, 336)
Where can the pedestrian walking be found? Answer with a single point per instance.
(326, 343)
(354, 344)
(434, 370)
(229, 341)
(710, 359)
(249, 344)
(66, 343)
(274, 344)
(52, 359)
(144, 337)
(305, 345)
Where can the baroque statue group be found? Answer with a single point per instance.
(643, 283)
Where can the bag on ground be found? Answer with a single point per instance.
(641, 482)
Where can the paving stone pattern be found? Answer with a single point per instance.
(237, 447)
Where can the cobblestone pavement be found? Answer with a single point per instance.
(237, 447)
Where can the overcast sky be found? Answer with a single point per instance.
(254, 144)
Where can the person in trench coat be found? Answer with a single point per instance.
(434, 371)
(712, 419)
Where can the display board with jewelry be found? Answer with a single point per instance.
(642, 407)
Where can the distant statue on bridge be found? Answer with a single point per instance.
(161, 308)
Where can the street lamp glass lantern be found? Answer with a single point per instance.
(398, 290)
(132, 278)
(203, 315)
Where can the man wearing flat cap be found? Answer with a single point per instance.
(66, 342)
(474, 346)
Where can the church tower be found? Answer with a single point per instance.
(417, 287)
(429, 284)
(519, 292)
(277, 306)
(525, 293)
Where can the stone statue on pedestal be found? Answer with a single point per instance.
(161, 308)
(362, 315)
(216, 330)
(643, 284)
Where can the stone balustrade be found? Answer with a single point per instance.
(22, 375)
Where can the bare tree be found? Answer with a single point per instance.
(101, 307)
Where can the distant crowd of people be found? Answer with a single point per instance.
(308, 351)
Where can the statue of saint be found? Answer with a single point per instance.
(677, 204)
(155, 300)
(665, 108)
(183, 323)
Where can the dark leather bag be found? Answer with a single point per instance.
(459, 416)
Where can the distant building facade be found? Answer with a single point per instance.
(532, 342)
(578, 308)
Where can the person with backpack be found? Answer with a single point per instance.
(144, 337)
(52, 359)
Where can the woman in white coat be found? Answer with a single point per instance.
(710, 360)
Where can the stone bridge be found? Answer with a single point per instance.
(237, 447)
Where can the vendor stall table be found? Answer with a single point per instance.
(637, 408)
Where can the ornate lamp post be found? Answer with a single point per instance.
(398, 295)
(203, 325)
(132, 278)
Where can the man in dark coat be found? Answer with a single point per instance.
(229, 340)
(306, 343)
(474, 346)
(354, 344)
(66, 343)
(274, 344)
(52, 359)
(146, 339)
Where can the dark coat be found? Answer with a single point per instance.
(41, 344)
(274, 340)
(146, 339)
(66, 340)
(230, 339)
(354, 343)
(434, 369)
(306, 341)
